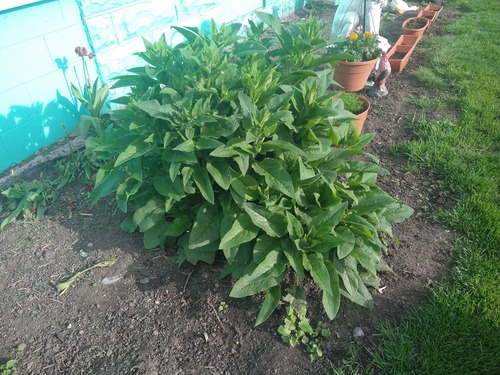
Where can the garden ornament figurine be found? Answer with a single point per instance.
(379, 90)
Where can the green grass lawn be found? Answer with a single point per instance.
(458, 331)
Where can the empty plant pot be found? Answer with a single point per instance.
(415, 26)
(408, 40)
(434, 8)
(398, 56)
(429, 14)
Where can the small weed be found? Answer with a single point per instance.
(297, 329)
(8, 368)
(222, 306)
(351, 365)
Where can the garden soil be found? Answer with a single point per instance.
(155, 318)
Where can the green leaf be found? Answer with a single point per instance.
(373, 202)
(242, 230)
(107, 180)
(221, 173)
(273, 296)
(155, 109)
(273, 224)
(263, 245)
(270, 272)
(206, 227)
(179, 226)
(155, 236)
(345, 248)
(361, 166)
(276, 176)
(294, 227)
(137, 148)
(202, 180)
(294, 257)
(397, 212)
(328, 219)
(281, 145)
(249, 47)
(325, 275)
(165, 187)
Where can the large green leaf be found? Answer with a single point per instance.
(345, 248)
(373, 202)
(202, 180)
(276, 176)
(263, 245)
(155, 236)
(325, 276)
(397, 212)
(294, 257)
(155, 109)
(267, 274)
(107, 180)
(221, 173)
(206, 226)
(273, 296)
(328, 218)
(242, 230)
(273, 224)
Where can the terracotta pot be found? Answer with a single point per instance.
(430, 15)
(434, 8)
(351, 76)
(398, 56)
(413, 31)
(408, 40)
(358, 124)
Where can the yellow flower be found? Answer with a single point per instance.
(367, 34)
(353, 36)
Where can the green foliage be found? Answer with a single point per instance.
(8, 368)
(352, 102)
(357, 47)
(296, 328)
(230, 144)
(30, 199)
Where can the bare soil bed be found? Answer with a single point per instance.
(161, 319)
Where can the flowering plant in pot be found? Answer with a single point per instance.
(362, 52)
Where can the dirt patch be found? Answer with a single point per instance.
(156, 318)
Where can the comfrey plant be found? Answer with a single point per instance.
(225, 146)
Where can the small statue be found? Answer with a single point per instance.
(379, 90)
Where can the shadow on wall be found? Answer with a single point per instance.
(24, 130)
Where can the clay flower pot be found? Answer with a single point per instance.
(429, 14)
(399, 56)
(400, 53)
(352, 75)
(415, 26)
(434, 8)
(358, 124)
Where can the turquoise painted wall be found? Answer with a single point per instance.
(37, 57)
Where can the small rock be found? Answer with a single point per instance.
(90, 244)
(144, 280)
(48, 254)
(83, 254)
(358, 332)
(21, 347)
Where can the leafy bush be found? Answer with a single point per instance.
(230, 144)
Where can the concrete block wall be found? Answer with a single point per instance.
(37, 58)
(33, 40)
